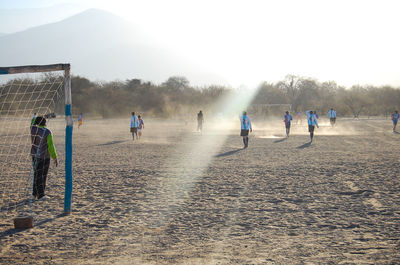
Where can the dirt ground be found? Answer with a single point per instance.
(180, 197)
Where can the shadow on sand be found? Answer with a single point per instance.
(229, 153)
(111, 143)
(12, 231)
(304, 145)
(396, 132)
(280, 140)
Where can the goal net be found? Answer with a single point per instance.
(30, 95)
(264, 111)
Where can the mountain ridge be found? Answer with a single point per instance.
(20, 19)
(99, 45)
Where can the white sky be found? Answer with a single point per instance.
(350, 42)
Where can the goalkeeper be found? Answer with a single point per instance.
(41, 151)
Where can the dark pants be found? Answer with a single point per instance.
(311, 130)
(134, 132)
(287, 129)
(40, 169)
(245, 135)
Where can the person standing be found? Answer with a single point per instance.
(299, 117)
(332, 116)
(33, 119)
(312, 122)
(395, 118)
(41, 151)
(245, 125)
(134, 126)
(80, 120)
(287, 120)
(200, 120)
(141, 126)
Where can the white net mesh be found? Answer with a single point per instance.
(20, 99)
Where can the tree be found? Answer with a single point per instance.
(176, 83)
(356, 100)
(290, 86)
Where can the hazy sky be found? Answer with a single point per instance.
(350, 42)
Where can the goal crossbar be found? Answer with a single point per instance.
(272, 105)
(33, 68)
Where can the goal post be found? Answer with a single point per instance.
(68, 115)
(68, 142)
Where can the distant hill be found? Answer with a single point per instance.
(14, 20)
(99, 45)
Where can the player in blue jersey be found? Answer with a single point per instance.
(80, 120)
(245, 126)
(395, 118)
(312, 122)
(287, 119)
(332, 116)
(134, 126)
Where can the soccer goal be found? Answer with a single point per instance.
(27, 92)
(267, 110)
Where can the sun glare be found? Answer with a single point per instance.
(187, 164)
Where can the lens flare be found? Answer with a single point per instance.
(188, 163)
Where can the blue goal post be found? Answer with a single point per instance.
(68, 118)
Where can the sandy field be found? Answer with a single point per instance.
(180, 197)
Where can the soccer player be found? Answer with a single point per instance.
(141, 126)
(41, 151)
(33, 119)
(134, 125)
(200, 120)
(312, 122)
(287, 120)
(395, 118)
(245, 125)
(308, 115)
(332, 116)
(80, 120)
(299, 117)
